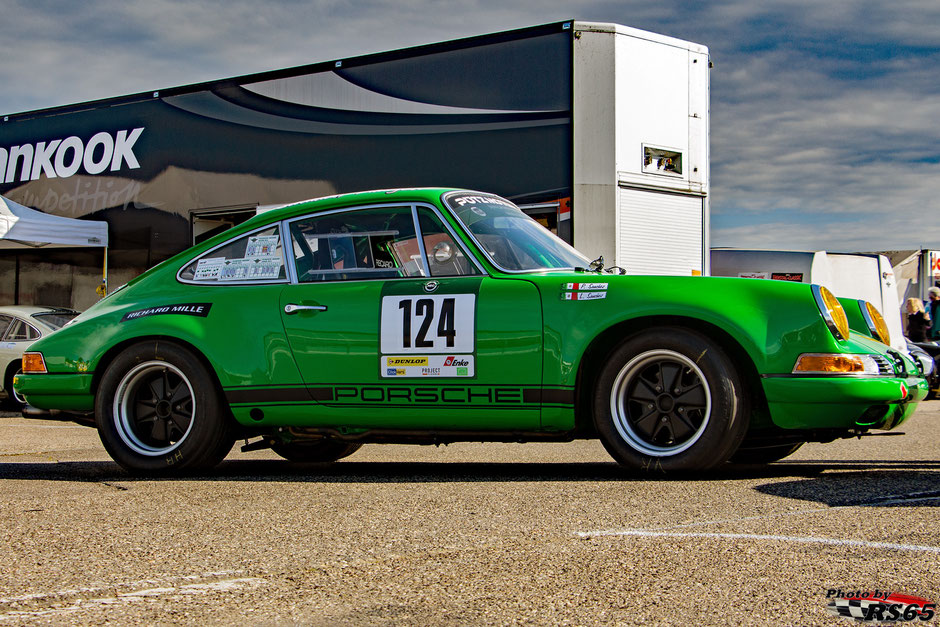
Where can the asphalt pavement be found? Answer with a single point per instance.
(467, 534)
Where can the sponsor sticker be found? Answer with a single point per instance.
(188, 309)
(754, 275)
(406, 361)
(797, 277)
(427, 366)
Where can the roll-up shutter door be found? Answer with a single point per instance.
(660, 233)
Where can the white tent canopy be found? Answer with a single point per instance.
(22, 227)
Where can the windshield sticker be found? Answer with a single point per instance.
(262, 246)
(479, 200)
(208, 269)
(200, 310)
(405, 366)
(787, 276)
(249, 269)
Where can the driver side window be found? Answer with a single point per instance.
(355, 245)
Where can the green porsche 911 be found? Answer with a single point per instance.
(433, 316)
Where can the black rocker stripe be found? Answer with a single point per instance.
(563, 397)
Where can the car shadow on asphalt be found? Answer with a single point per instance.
(876, 475)
(893, 484)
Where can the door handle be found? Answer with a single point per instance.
(291, 308)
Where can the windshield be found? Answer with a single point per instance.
(55, 319)
(510, 238)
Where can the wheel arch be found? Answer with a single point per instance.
(604, 343)
(11, 367)
(109, 356)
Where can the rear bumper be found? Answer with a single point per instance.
(66, 392)
(842, 402)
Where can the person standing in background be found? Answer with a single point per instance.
(933, 301)
(917, 321)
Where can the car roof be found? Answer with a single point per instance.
(336, 201)
(27, 311)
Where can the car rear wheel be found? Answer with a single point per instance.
(13, 401)
(158, 410)
(670, 399)
(316, 451)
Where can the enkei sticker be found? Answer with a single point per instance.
(439, 323)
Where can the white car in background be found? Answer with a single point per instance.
(20, 326)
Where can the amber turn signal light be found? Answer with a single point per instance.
(33, 363)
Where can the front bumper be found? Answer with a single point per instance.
(67, 392)
(801, 402)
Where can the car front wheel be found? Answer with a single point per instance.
(670, 399)
(158, 411)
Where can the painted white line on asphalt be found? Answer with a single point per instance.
(45, 427)
(126, 598)
(101, 587)
(643, 533)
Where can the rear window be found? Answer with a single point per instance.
(253, 258)
(55, 319)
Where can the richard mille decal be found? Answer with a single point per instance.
(187, 309)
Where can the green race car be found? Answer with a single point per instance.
(432, 316)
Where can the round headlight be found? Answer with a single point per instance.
(832, 312)
(875, 321)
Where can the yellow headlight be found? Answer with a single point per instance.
(876, 323)
(832, 311)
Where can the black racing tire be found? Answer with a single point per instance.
(318, 451)
(159, 411)
(13, 401)
(764, 454)
(668, 400)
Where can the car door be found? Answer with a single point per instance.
(393, 330)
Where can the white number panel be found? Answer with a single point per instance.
(439, 323)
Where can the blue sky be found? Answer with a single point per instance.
(825, 121)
